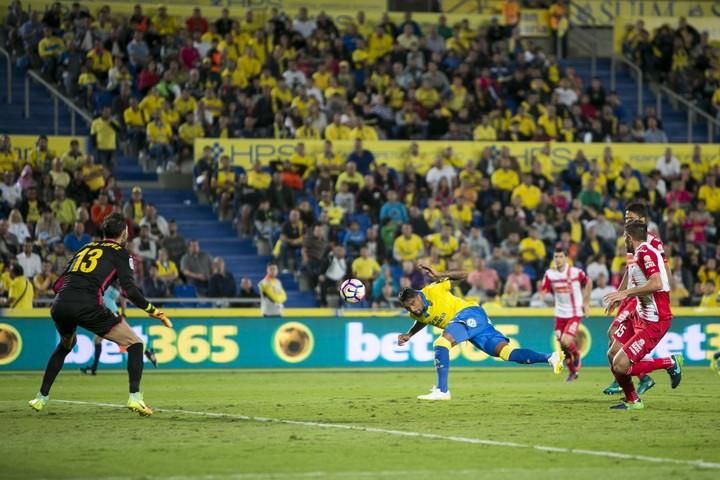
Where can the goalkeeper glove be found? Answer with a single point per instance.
(155, 313)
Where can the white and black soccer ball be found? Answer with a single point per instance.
(352, 290)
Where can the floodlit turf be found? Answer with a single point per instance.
(526, 406)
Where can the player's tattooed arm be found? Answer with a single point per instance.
(405, 337)
(454, 275)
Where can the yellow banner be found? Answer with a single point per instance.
(24, 144)
(606, 11)
(641, 156)
(534, 23)
(711, 25)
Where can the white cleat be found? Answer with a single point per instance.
(556, 360)
(435, 394)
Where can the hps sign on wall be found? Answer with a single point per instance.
(323, 342)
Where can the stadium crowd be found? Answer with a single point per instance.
(53, 203)
(160, 82)
(681, 56)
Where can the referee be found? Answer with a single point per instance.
(79, 302)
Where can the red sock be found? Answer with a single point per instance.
(644, 367)
(573, 355)
(569, 360)
(625, 382)
(641, 376)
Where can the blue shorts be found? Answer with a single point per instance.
(472, 324)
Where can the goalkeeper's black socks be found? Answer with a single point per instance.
(54, 365)
(96, 359)
(135, 366)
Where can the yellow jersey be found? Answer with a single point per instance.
(22, 293)
(445, 247)
(408, 248)
(365, 268)
(505, 179)
(8, 161)
(164, 270)
(441, 305)
(335, 132)
(530, 195)
(134, 118)
(104, 132)
(259, 180)
(484, 133)
(183, 106)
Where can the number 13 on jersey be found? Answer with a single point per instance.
(86, 260)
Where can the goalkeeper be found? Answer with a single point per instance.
(79, 302)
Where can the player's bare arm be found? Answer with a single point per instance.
(454, 275)
(653, 284)
(405, 337)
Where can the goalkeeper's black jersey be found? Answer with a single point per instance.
(92, 269)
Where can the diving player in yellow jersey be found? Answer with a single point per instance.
(460, 320)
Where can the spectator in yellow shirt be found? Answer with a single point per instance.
(21, 292)
(363, 132)
(336, 130)
(159, 137)
(93, 174)
(187, 133)
(528, 193)
(8, 157)
(302, 162)
(40, 158)
(365, 267)
(307, 131)
(710, 194)
(103, 130)
(420, 161)
(151, 103)
(461, 212)
(484, 131)
(408, 246)
(258, 178)
(352, 177)
(445, 243)
(627, 184)
(51, 49)
(100, 60)
(710, 295)
(167, 270)
(331, 160)
(379, 44)
(164, 24)
(504, 178)
(551, 123)
(426, 95)
(532, 249)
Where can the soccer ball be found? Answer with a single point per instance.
(352, 290)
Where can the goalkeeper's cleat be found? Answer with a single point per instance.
(137, 404)
(435, 394)
(556, 361)
(150, 354)
(625, 405)
(675, 371)
(39, 402)
(645, 384)
(613, 389)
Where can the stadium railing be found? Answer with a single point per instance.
(57, 99)
(692, 112)
(638, 77)
(8, 59)
(586, 39)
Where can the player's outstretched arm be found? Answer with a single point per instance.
(454, 275)
(405, 337)
(133, 293)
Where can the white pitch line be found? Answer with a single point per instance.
(306, 475)
(429, 436)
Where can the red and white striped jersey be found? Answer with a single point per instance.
(648, 261)
(655, 242)
(567, 286)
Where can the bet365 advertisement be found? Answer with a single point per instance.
(297, 342)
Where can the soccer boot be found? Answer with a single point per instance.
(39, 402)
(150, 354)
(675, 371)
(715, 363)
(137, 404)
(624, 405)
(88, 371)
(613, 389)
(556, 361)
(572, 376)
(645, 384)
(435, 394)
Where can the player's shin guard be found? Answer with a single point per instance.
(442, 362)
(522, 355)
(135, 366)
(54, 365)
(643, 367)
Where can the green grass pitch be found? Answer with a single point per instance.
(526, 406)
